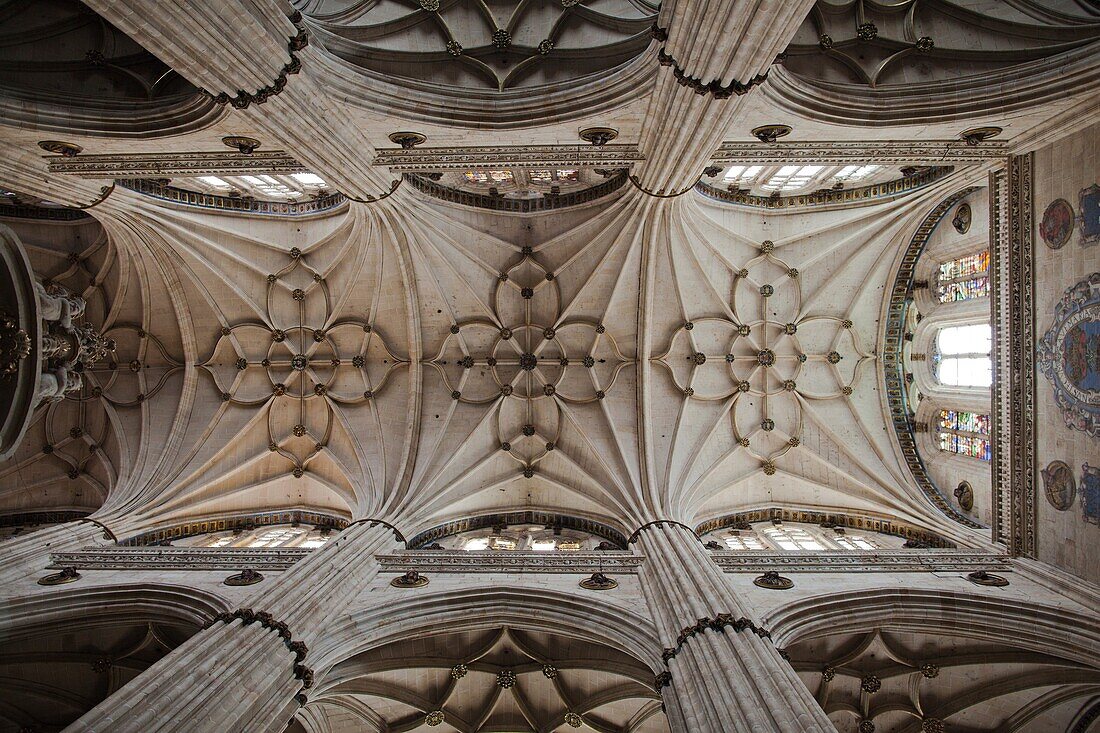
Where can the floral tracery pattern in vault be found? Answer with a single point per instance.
(530, 358)
(767, 356)
(301, 362)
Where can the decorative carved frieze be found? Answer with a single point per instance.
(1013, 413)
(550, 519)
(615, 155)
(448, 561)
(159, 165)
(888, 561)
(11, 208)
(180, 558)
(238, 521)
(944, 152)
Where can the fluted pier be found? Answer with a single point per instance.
(250, 670)
(724, 674)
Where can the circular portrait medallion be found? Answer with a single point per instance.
(1057, 224)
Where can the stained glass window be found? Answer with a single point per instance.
(545, 175)
(965, 433)
(965, 278)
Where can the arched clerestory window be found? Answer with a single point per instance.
(962, 356)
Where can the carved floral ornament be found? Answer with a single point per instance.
(762, 355)
(529, 357)
(300, 367)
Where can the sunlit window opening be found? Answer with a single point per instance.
(853, 542)
(788, 179)
(854, 173)
(489, 177)
(792, 177)
(965, 433)
(744, 542)
(964, 278)
(742, 175)
(289, 187)
(285, 535)
(793, 537)
(309, 179)
(963, 355)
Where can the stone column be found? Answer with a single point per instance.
(724, 674)
(250, 670)
(254, 55)
(25, 556)
(712, 53)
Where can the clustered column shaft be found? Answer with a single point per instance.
(712, 54)
(246, 672)
(724, 674)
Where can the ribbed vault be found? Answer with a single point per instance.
(681, 359)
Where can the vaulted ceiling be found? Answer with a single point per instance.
(630, 357)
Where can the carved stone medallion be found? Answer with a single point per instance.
(964, 494)
(599, 581)
(67, 575)
(981, 577)
(773, 581)
(1059, 485)
(961, 220)
(245, 577)
(411, 579)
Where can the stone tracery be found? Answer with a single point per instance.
(529, 357)
(308, 357)
(745, 354)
